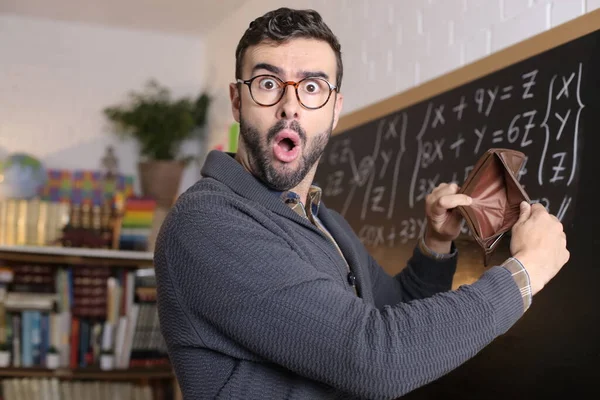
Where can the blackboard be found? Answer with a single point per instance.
(378, 173)
(541, 97)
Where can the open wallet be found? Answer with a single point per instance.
(496, 194)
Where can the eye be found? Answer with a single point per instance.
(313, 86)
(268, 84)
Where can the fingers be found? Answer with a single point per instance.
(444, 197)
(538, 209)
(546, 221)
(525, 212)
(454, 200)
(444, 189)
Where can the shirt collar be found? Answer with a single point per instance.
(311, 209)
(224, 168)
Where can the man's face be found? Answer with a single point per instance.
(282, 143)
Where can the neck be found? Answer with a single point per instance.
(301, 189)
(304, 186)
(240, 156)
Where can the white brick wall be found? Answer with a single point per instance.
(479, 15)
(531, 21)
(592, 5)
(565, 10)
(390, 46)
(440, 60)
(477, 46)
(514, 8)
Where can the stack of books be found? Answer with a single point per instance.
(136, 224)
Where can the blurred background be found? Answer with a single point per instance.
(63, 62)
(107, 110)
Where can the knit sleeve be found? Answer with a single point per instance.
(421, 277)
(234, 270)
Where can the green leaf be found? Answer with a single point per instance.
(157, 122)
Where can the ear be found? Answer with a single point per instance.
(339, 102)
(234, 96)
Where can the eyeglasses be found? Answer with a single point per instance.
(267, 90)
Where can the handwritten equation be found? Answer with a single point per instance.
(378, 175)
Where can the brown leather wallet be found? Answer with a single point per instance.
(496, 194)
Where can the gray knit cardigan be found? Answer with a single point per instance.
(254, 302)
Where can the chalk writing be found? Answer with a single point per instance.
(334, 184)
(459, 108)
(439, 116)
(369, 168)
(482, 96)
(576, 131)
(529, 79)
(401, 233)
(397, 166)
(411, 193)
(565, 89)
(564, 206)
(479, 133)
(378, 175)
(563, 120)
(506, 92)
(523, 171)
(456, 145)
(558, 168)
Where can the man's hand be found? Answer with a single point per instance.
(540, 244)
(443, 221)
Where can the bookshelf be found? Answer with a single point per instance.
(108, 263)
(77, 256)
(92, 373)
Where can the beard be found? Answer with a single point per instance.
(260, 154)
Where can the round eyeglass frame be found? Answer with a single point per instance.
(285, 85)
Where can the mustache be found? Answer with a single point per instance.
(281, 125)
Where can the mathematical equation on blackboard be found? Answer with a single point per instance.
(377, 175)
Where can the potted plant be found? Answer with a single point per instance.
(52, 358)
(160, 124)
(107, 360)
(4, 355)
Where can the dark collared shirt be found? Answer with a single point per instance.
(311, 211)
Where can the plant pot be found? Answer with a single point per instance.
(4, 359)
(107, 362)
(160, 180)
(52, 360)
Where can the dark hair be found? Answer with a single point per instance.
(284, 24)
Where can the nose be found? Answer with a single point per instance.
(289, 106)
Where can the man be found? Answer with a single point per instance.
(264, 293)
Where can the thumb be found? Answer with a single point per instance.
(525, 212)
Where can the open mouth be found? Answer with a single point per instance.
(287, 146)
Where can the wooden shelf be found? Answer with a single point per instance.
(77, 256)
(90, 373)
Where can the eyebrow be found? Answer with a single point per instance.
(313, 74)
(271, 68)
(278, 71)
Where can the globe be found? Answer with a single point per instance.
(21, 176)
